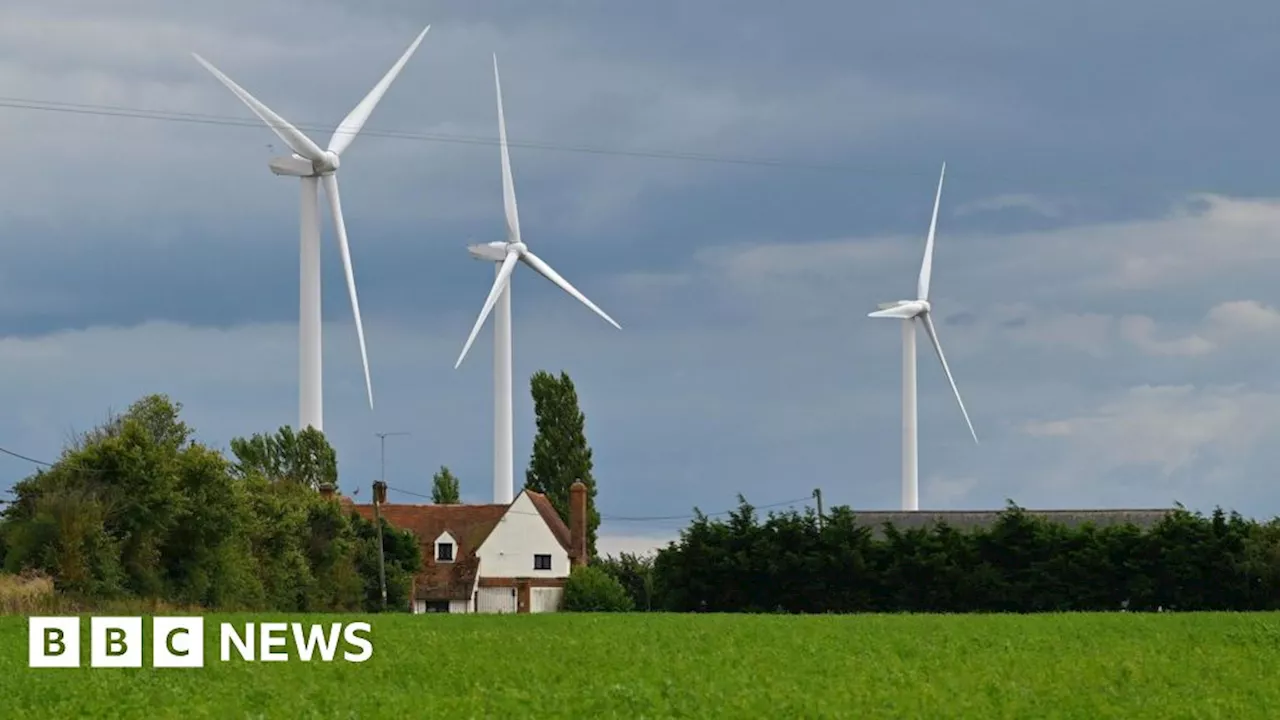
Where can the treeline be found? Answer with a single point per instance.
(137, 510)
(792, 562)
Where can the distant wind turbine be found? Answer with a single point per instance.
(909, 311)
(315, 167)
(506, 255)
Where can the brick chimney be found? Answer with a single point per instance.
(578, 524)
(326, 491)
(380, 492)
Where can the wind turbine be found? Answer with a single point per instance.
(318, 167)
(909, 311)
(506, 255)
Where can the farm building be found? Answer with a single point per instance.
(492, 558)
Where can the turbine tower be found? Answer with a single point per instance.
(909, 311)
(318, 167)
(506, 255)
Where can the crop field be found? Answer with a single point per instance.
(701, 666)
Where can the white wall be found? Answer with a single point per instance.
(545, 599)
(459, 606)
(519, 535)
(497, 600)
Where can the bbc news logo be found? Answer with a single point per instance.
(178, 642)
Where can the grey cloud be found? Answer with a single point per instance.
(748, 360)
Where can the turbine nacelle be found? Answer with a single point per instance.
(495, 251)
(292, 166)
(902, 309)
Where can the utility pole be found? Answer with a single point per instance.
(382, 441)
(817, 494)
(379, 497)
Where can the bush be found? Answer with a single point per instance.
(634, 573)
(591, 589)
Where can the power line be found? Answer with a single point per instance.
(20, 456)
(205, 119)
(611, 518)
(61, 463)
(620, 518)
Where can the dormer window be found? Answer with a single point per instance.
(446, 548)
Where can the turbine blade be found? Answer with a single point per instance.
(499, 284)
(291, 135)
(355, 120)
(508, 185)
(933, 336)
(545, 271)
(926, 267)
(335, 204)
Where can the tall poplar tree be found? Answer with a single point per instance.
(560, 451)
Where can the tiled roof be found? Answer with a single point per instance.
(468, 524)
(551, 517)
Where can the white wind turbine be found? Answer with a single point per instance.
(315, 167)
(506, 255)
(909, 311)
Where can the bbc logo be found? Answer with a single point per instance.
(178, 642)
(115, 642)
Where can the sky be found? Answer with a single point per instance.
(1103, 279)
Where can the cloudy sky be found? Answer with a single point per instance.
(1108, 239)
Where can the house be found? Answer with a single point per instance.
(492, 558)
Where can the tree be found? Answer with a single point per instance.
(136, 510)
(134, 507)
(305, 458)
(560, 451)
(444, 488)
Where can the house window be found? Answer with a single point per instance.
(437, 606)
(444, 552)
(541, 562)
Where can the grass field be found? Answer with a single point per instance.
(703, 666)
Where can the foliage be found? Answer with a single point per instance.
(305, 458)
(444, 488)
(1020, 563)
(560, 451)
(403, 557)
(591, 589)
(136, 510)
(1140, 666)
(634, 573)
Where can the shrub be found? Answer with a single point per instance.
(25, 593)
(591, 589)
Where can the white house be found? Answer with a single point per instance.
(492, 558)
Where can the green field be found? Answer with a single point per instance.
(703, 666)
